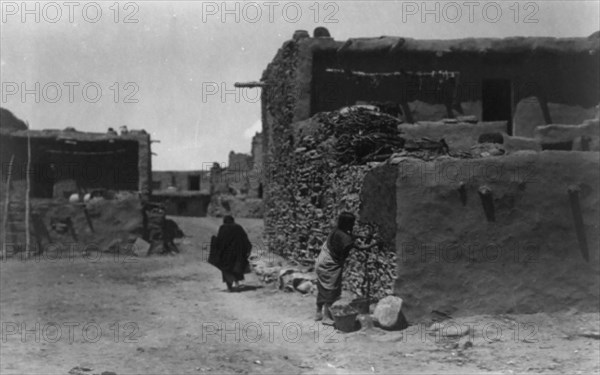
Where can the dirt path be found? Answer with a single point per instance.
(172, 315)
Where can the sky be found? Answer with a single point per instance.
(169, 67)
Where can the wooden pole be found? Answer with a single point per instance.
(573, 192)
(6, 206)
(252, 84)
(27, 193)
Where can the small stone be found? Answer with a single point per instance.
(305, 287)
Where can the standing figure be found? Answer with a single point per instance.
(330, 264)
(231, 251)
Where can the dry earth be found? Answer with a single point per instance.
(172, 315)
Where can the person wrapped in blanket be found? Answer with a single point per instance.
(230, 251)
(329, 265)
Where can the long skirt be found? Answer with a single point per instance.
(329, 277)
(230, 277)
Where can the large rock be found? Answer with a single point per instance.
(388, 314)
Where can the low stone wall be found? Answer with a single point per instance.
(94, 226)
(514, 144)
(495, 235)
(583, 137)
(529, 115)
(459, 136)
(183, 203)
(243, 207)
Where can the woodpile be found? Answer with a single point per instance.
(323, 178)
(323, 163)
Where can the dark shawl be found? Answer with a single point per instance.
(230, 249)
(339, 243)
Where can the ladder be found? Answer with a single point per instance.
(16, 233)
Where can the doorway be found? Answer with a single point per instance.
(496, 101)
(194, 182)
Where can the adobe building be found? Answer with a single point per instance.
(537, 97)
(196, 180)
(114, 168)
(68, 161)
(182, 193)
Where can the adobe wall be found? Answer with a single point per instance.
(144, 165)
(195, 205)
(583, 137)
(523, 257)
(257, 178)
(102, 224)
(529, 115)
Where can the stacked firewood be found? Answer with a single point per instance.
(321, 178)
(360, 134)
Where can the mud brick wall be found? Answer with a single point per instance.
(584, 137)
(256, 176)
(528, 258)
(278, 102)
(144, 165)
(97, 227)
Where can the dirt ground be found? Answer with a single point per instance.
(172, 315)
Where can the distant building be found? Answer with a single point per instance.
(68, 161)
(183, 193)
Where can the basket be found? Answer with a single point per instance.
(345, 319)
